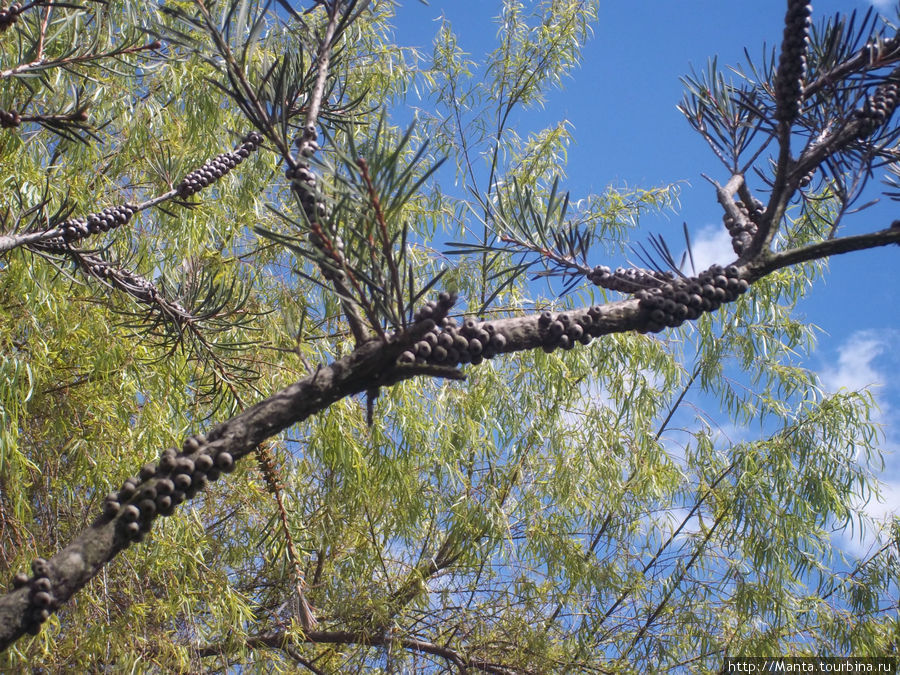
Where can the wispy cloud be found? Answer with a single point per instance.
(883, 5)
(868, 360)
(855, 367)
(711, 245)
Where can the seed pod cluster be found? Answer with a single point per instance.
(303, 180)
(40, 594)
(109, 218)
(450, 343)
(9, 16)
(562, 331)
(160, 487)
(436, 310)
(218, 166)
(879, 106)
(744, 229)
(9, 118)
(689, 297)
(629, 280)
(269, 469)
(792, 61)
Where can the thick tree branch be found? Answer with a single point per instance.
(372, 364)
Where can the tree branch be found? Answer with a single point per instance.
(282, 641)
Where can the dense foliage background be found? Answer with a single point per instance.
(559, 510)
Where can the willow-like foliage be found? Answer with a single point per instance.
(557, 492)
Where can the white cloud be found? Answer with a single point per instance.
(854, 369)
(710, 246)
(881, 511)
(882, 5)
(868, 359)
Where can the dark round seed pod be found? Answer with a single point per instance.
(203, 463)
(184, 465)
(575, 332)
(564, 319)
(565, 342)
(42, 600)
(190, 445)
(130, 512)
(545, 318)
(439, 354)
(423, 349)
(199, 481)
(548, 347)
(213, 474)
(498, 341)
(445, 340)
(225, 462)
(129, 488)
(431, 338)
(406, 358)
(460, 343)
(20, 580)
(177, 497)
(556, 328)
(658, 316)
(147, 507)
(147, 492)
(40, 567)
(111, 508)
(182, 482)
(163, 502)
(452, 355)
(147, 471)
(475, 347)
(132, 530)
(164, 486)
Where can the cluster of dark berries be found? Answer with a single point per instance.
(445, 342)
(159, 488)
(689, 297)
(9, 118)
(792, 61)
(880, 106)
(303, 180)
(562, 331)
(9, 16)
(744, 229)
(435, 310)
(40, 595)
(629, 280)
(218, 166)
(109, 218)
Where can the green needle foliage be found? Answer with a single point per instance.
(283, 243)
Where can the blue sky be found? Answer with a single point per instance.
(621, 105)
